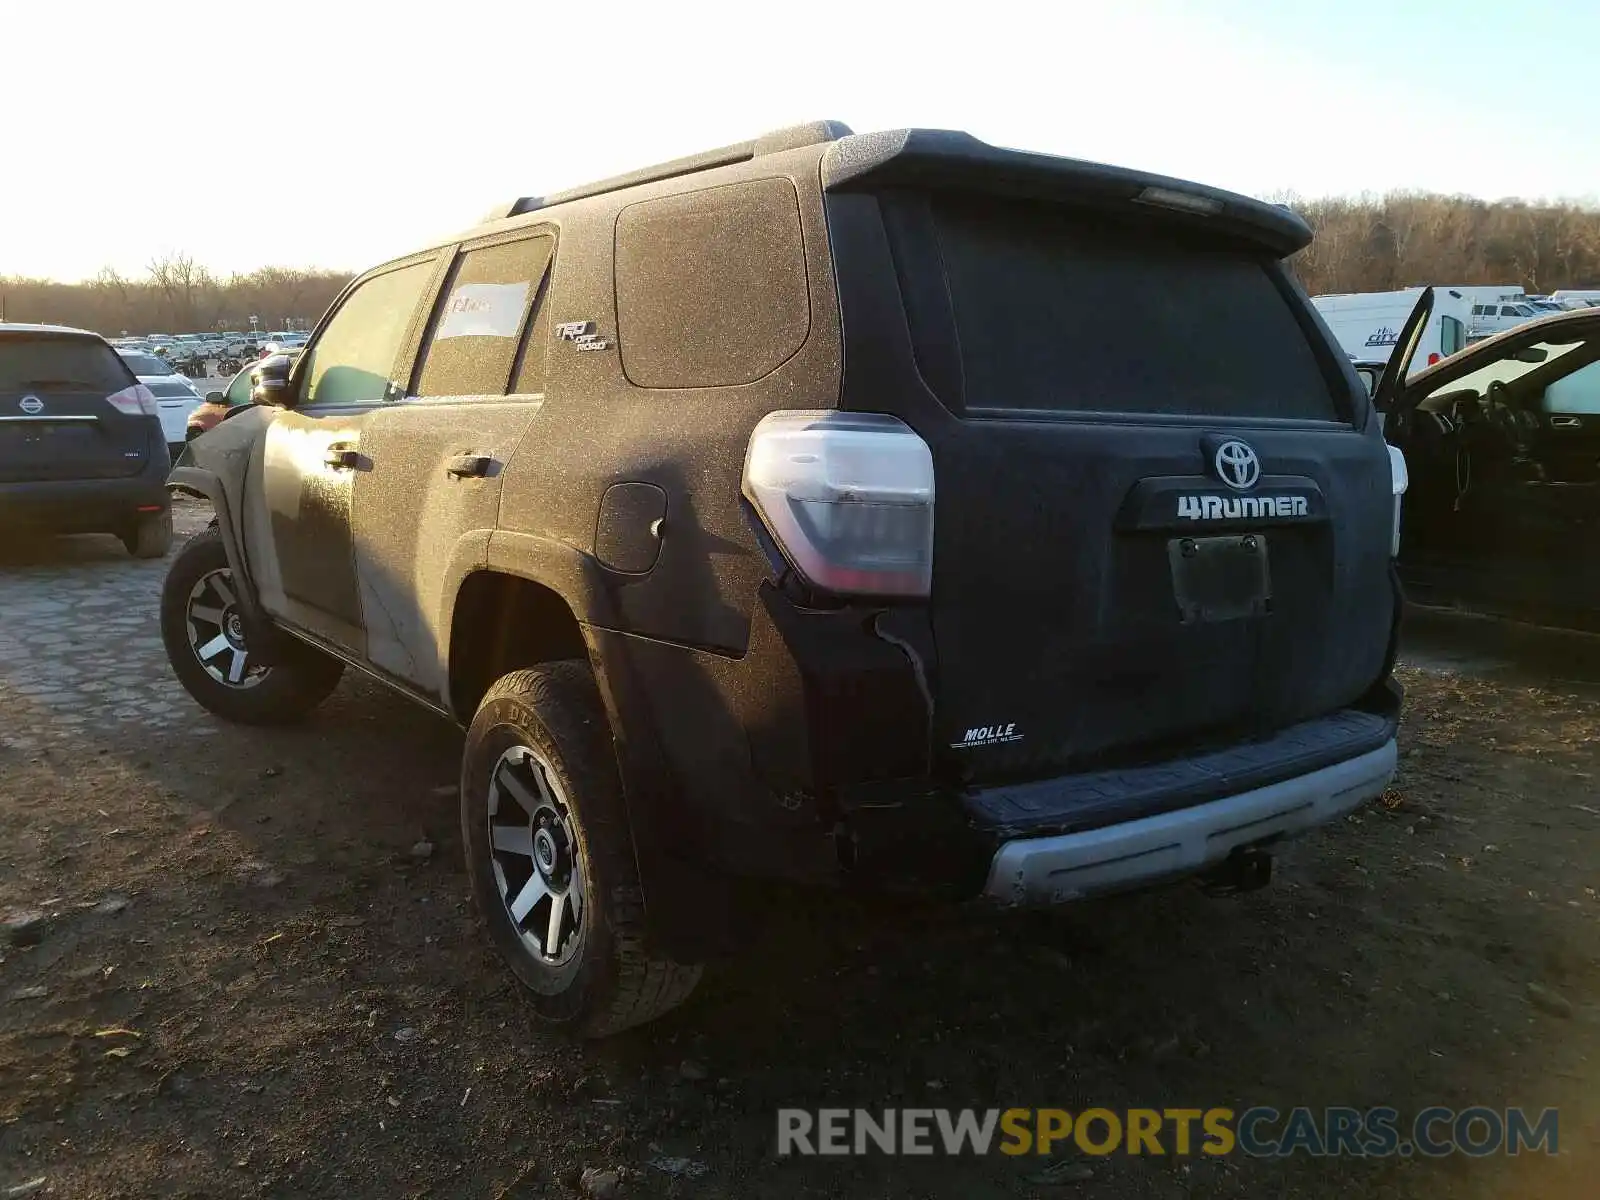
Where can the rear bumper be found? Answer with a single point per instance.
(1132, 854)
(84, 505)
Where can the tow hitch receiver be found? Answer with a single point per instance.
(1244, 870)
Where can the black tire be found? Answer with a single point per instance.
(611, 980)
(151, 535)
(300, 679)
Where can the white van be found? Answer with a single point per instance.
(1495, 316)
(1367, 324)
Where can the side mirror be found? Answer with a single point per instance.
(269, 380)
(1531, 354)
(216, 398)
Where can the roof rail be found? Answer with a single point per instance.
(791, 138)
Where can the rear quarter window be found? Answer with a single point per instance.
(711, 285)
(1056, 311)
(54, 360)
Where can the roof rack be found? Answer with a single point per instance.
(791, 138)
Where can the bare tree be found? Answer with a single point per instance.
(184, 284)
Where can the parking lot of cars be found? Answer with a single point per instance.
(240, 962)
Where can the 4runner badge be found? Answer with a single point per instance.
(987, 735)
(582, 334)
(1234, 508)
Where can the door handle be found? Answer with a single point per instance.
(468, 466)
(1566, 423)
(342, 460)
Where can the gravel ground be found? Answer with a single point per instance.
(241, 961)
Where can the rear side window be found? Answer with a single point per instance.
(482, 319)
(711, 285)
(56, 361)
(1059, 312)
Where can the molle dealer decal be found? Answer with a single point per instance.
(987, 735)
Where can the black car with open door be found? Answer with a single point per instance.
(1502, 442)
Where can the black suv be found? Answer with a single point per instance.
(81, 447)
(804, 509)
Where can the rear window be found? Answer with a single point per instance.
(1061, 312)
(28, 361)
(147, 364)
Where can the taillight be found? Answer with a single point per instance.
(137, 400)
(1399, 480)
(1433, 358)
(848, 497)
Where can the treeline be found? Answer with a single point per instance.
(175, 295)
(1377, 244)
(1366, 244)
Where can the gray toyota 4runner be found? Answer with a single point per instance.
(890, 510)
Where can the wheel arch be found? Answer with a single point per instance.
(678, 890)
(516, 600)
(212, 467)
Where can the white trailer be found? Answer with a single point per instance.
(1571, 298)
(1367, 324)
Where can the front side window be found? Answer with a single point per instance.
(239, 390)
(353, 359)
(481, 320)
(1577, 393)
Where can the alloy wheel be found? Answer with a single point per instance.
(536, 862)
(216, 632)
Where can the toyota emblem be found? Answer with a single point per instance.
(31, 405)
(1237, 465)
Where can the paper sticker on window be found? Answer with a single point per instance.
(483, 310)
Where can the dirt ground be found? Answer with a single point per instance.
(248, 978)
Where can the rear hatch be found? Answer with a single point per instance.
(56, 421)
(1158, 528)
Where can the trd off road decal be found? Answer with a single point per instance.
(987, 735)
(582, 334)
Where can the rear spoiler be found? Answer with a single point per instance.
(945, 159)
